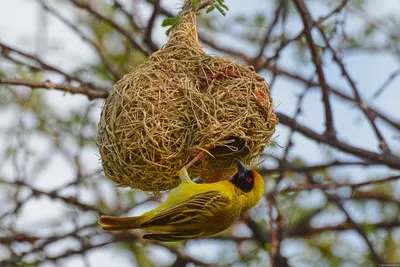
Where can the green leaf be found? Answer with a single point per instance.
(370, 30)
(210, 9)
(221, 10)
(222, 4)
(195, 3)
(172, 23)
(168, 22)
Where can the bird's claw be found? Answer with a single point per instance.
(183, 175)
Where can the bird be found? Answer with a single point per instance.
(194, 210)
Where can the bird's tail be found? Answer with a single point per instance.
(111, 223)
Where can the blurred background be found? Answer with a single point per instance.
(332, 173)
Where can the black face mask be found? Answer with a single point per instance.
(244, 178)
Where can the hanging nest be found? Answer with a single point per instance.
(179, 102)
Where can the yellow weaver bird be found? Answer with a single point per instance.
(195, 210)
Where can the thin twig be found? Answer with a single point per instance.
(311, 168)
(358, 228)
(90, 93)
(330, 186)
(100, 52)
(7, 51)
(308, 22)
(275, 231)
(385, 85)
(113, 24)
(370, 116)
(150, 26)
(390, 161)
(269, 32)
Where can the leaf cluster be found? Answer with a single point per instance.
(196, 6)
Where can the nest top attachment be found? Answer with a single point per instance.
(178, 102)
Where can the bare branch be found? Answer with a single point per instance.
(371, 118)
(358, 228)
(117, 75)
(90, 93)
(7, 50)
(390, 161)
(385, 85)
(308, 22)
(150, 25)
(113, 24)
(330, 186)
(291, 168)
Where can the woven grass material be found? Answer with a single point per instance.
(177, 103)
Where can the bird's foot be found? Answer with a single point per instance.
(183, 175)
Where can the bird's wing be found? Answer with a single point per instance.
(172, 236)
(198, 208)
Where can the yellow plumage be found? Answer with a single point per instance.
(195, 210)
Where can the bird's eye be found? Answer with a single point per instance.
(248, 180)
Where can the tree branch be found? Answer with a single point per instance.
(370, 117)
(117, 75)
(390, 161)
(330, 186)
(308, 24)
(90, 93)
(358, 228)
(150, 26)
(113, 24)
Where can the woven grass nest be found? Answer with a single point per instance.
(178, 102)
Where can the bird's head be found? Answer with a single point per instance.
(250, 183)
(247, 180)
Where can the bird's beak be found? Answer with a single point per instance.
(242, 169)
